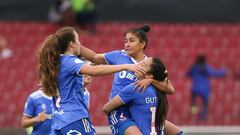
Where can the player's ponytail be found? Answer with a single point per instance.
(49, 58)
(159, 73)
(145, 28)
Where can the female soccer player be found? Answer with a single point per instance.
(37, 113)
(135, 43)
(61, 73)
(149, 109)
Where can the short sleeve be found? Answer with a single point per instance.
(112, 57)
(128, 94)
(29, 107)
(73, 65)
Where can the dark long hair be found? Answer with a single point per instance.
(159, 72)
(141, 33)
(48, 58)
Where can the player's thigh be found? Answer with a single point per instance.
(132, 130)
(171, 129)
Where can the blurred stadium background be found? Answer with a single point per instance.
(180, 30)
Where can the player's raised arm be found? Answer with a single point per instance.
(108, 69)
(164, 86)
(91, 55)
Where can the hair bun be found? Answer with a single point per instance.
(145, 28)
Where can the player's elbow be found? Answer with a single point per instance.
(24, 125)
(106, 110)
(171, 91)
(27, 122)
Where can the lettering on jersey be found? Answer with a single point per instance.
(128, 75)
(151, 100)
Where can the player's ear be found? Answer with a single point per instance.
(143, 44)
(149, 76)
(71, 44)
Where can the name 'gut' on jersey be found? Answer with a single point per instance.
(142, 107)
(123, 78)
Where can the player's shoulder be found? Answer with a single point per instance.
(119, 52)
(150, 89)
(66, 59)
(123, 52)
(38, 94)
(129, 88)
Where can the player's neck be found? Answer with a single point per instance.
(69, 52)
(138, 57)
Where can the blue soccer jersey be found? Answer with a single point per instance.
(120, 116)
(36, 103)
(71, 106)
(142, 106)
(122, 78)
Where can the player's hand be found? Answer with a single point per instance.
(42, 116)
(138, 69)
(142, 84)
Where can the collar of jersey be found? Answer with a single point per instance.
(135, 62)
(40, 89)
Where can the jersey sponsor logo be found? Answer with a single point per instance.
(128, 75)
(150, 100)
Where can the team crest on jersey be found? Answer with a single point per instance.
(122, 117)
(74, 132)
(43, 106)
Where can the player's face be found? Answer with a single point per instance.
(133, 44)
(146, 64)
(77, 44)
